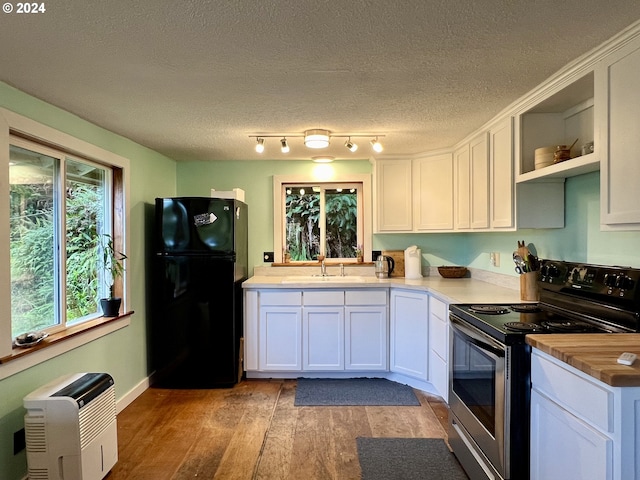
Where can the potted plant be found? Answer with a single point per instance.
(113, 268)
(359, 254)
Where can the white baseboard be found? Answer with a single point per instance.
(124, 401)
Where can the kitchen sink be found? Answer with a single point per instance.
(325, 278)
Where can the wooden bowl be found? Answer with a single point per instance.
(452, 272)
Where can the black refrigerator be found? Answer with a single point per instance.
(199, 263)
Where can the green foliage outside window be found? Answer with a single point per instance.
(303, 214)
(32, 254)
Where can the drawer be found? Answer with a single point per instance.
(585, 397)
(323, 297)
(438, 308)
(438, 338)
(366, 297)
(279, 297)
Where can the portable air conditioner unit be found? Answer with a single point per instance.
(70, 428)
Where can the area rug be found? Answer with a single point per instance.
(407, 459)
(353, 391)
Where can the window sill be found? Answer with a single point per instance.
(61, 342)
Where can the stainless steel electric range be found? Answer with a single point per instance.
(490, 362)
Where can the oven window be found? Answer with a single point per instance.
(474, 380)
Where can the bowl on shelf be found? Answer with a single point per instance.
(544, 157)
(452, 272)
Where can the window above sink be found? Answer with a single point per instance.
(315, 217)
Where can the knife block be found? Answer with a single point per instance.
(529, 287)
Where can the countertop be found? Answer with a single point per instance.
(594, 354)
(453, 290)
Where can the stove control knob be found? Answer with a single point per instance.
(551, 270)
(610, 279)
(628, 283)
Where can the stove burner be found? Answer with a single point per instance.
(526, 308)
(489, 309)
(522, 327)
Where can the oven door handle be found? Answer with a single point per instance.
(475, 334)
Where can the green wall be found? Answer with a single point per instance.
(581, 239)
(255, 177)
(122, 353)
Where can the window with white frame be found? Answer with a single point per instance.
(61, 206)
(322, 218)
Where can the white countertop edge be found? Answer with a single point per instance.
(450, 290)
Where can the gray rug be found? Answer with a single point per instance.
(353, 391)
(407, 459)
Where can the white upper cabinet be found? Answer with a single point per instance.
(479, 170)
(618, 117)
(393, 199)
(471, 184)
(462, 187)
(433, 192)
(491, 182)
(501, 184)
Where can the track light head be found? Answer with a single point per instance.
(284, 145)
(350, 145)
(259, 145)
(376, 145)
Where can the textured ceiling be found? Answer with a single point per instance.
(193, 79)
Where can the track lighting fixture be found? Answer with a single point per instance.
(375, 144)
(316, 138)
(350, 145)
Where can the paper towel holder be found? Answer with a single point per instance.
(413, 262)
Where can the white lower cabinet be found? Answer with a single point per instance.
(581, 428)
(366, 338)
(280, 338)
(320, 330)
(323, 338)
(562, 446)
(409, 322)
(439, 345)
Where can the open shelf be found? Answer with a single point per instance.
(569, 168)
(558, 119)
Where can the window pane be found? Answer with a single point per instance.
(302, 226)
(32, 219)
(341, 212)
(86, 202)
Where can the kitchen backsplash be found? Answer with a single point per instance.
(501, 280)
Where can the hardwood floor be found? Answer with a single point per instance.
(253, 431)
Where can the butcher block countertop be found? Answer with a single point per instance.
(594, 354)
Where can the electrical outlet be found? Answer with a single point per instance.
(375, 254)
(19, 442)
(268, 257)
(494, 258)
